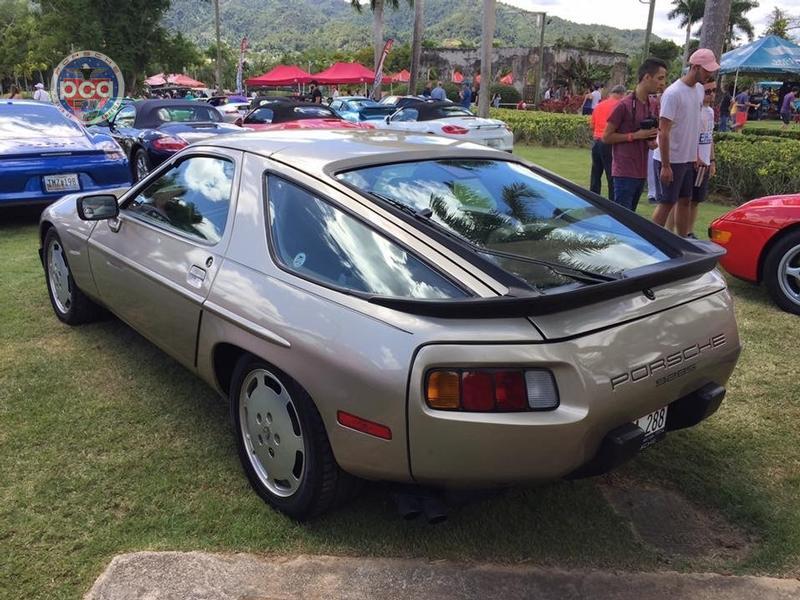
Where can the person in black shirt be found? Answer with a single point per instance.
(725, 110)
(316, 95)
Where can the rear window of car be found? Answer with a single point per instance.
(188, 114)
(508, 213)
(26, 121)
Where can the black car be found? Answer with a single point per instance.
(270, 100)
(284, 112)
(150, 131)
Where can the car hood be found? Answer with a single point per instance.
(788, 200)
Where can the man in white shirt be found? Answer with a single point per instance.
(676, 155)
(597, 95)
(41, 95)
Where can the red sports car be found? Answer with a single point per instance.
(295, 115)
(762, 238)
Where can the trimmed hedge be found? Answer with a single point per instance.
(791, 134)
(752, 166)
(546, 129)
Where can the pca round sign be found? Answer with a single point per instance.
(88, 85)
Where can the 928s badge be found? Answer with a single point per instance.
(88, 85)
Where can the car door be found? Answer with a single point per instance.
(405, 119)
(154, 264)
(121, 128)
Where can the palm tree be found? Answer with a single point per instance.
(738, 23)
(377, 7)
(715, 19)
(487, 41)
(416, 46)
(690, 12)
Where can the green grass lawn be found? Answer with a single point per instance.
(107, 446)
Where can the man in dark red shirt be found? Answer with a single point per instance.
(632, 129)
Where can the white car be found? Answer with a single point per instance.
(453, 121)
(233, 110)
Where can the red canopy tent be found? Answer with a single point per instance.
(347, 73)
(174, 79)
(507, 80)
(402, 77)
(280, 75)
(157, 79)
(184, 81)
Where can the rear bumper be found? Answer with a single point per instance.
(606, 380)
(22, 181)
(624, 442)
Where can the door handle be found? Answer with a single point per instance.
(196, 276)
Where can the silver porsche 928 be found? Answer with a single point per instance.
(404, 308)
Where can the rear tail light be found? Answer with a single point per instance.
(491, 390)
(455, 129)
(169, 143)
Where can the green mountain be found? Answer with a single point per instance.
(287, 25)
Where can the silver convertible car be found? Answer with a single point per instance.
(386, 306)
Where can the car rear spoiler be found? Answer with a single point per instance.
(641, 280)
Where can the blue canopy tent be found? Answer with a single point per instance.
(771, 55)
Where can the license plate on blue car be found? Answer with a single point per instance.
(66, 182)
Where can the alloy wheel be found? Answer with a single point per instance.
(271, 432)
(58, 273)
(789, 274)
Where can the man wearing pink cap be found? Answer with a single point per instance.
(678, 137)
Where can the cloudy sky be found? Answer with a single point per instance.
(632, 14)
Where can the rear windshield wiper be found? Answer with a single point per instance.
(583, 275)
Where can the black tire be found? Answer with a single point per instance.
(322, 484)
(784, 290)
(140, 155)
(78, 308)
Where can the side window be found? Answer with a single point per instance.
(125, 117)
(407, 114)
(193, 198)
(337, 105)
(318, 241)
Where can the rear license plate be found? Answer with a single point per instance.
(654, 426)
(68, 182)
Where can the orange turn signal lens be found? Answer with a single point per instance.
(443, 390)
(720, 236)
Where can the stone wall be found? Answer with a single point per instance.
(523, 63)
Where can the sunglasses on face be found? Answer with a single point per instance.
(711, 91)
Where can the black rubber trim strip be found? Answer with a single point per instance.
(688, 265)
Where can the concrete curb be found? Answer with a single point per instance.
(203, 576)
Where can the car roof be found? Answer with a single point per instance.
(146, 110)
(321, 151)
(431, 110)
(288, 111)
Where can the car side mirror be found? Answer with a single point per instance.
(387, 118)
(239, 122)
(97, 207)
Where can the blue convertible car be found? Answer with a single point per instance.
(359, 109)
(44, 155)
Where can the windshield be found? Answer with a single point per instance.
(26, 121)
(504, 207)
(188, 114)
